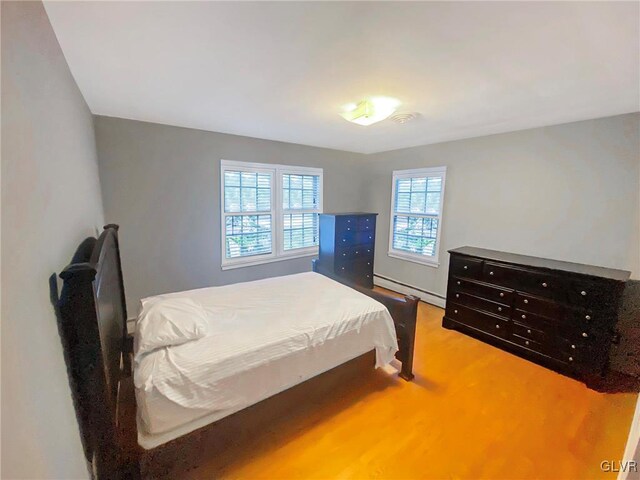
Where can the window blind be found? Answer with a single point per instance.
(300, 204)
(416, 213)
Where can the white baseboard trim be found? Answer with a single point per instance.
(633, 441)
(400, 287)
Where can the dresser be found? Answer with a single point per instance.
(347, 243)
(561, 315)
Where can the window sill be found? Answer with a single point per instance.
(414, 258)
(262, 261)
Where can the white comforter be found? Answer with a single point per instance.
(264, 337)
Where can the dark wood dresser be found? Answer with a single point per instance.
(561, 315)
(347, 242)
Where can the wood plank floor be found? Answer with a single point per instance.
(473, 411)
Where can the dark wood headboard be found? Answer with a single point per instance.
(93, 323)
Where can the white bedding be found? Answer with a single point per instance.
(264, 337)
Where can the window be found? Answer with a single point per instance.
(269, 212)
(300, 200)
(416, 207)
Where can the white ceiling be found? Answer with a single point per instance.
(282, 70)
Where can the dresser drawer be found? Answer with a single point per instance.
(597, 296)
(481, 304)
(357, 252)
(578, 359)
(531, 344)
(346, 223)
(541, 306)
(349, 263)
(529, 332)
(358, 273)
(583, 353)
(490, 292)
(367, 223)
(465, 267)
(533, 320)
(530, 281)
(589, 318)
(353, 237)
(478, 320)
(583, 334)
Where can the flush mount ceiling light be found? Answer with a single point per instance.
(370, 111)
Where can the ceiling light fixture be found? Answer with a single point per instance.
(370, 111)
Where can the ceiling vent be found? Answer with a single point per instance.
(402, 118)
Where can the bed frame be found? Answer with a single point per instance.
(93, 328)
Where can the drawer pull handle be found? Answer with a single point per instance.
(587, 317)
(344, 239)
(571, 359)
(356, 252)
(490, 273)
(458, 282)
(368, 251)
(368, 263)
(499, 309)
(368, 276)
(583, 293)
(457, 295)
(369, 237)
(526, 301)
(584, 334)
(526, 342)
(524, 316)
(466, 268)
(344, 254)
(573, 347)
(529, 331)
(455, 311)
(349, 228)
(544, 284)
(367, 219)
(502, 294)
(343, 268)
(497, 326)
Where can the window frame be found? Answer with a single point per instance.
(277, 212)
(413, 173)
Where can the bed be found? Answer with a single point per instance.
(263, 338)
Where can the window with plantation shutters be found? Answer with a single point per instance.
(300, 204)
(416, 214)
(269, 212)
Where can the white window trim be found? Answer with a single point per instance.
(414, 257)
(278, 252)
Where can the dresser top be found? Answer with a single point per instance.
(348, 213)
(601, 272)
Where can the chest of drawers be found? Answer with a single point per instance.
(559, 314)
(347, 244)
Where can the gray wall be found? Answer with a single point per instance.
(161, 184)
(50, 202)
(569, 192)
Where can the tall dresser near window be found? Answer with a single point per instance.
(347, 242)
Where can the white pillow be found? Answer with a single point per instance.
(165, 322)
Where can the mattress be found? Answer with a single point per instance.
(264, 337)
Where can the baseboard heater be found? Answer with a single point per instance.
(400, 287)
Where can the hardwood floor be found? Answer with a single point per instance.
(473, 411)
